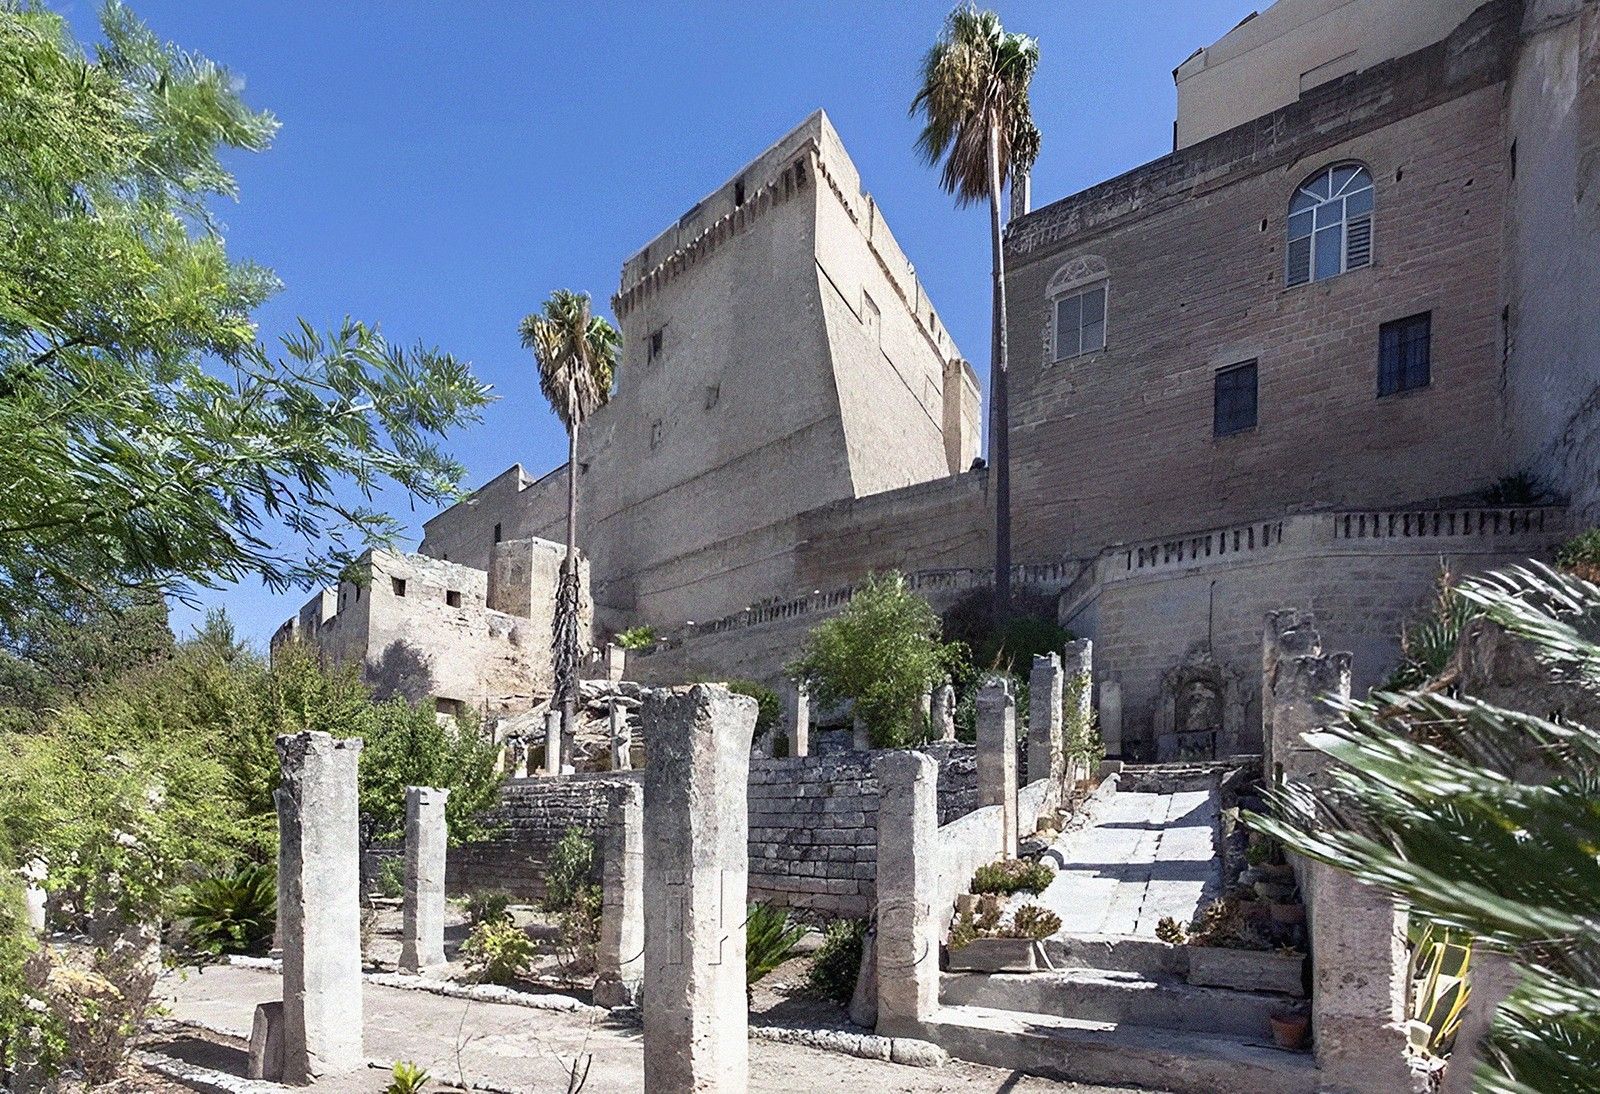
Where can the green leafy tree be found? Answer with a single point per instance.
(152, 439)
(881, 653)
(577, 356)
(973, 100)
(1431, 800)
(409, 746)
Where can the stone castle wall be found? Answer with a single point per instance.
(813, 828)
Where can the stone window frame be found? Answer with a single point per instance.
(1346, 190)
(1221, 426)
(1398, 364)
(1078, 277)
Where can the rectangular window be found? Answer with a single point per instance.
(657, 340)
(1404, 354)
(1081, 323)
(1233, 408)
(399, 585)
(452, 598)
(497, 533)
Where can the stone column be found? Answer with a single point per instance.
(860, 739)
(616, 662)
(519, 758)
(1288, 632)
(1358, 989)
(944, 713)
(1044, 719)
(34, 896)
(621, 738)
(619, 960)
(997, 758)
(422, 914)
(1077, 676)
(1303, 688)
(1111, 716)
(552, 741)
(696, 870)
(908, 866)
(319, 905)
(797, 716)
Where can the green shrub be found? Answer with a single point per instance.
(637, 638)
(487, 906)
(1032, 921)
(1012, 876)
(498, 952)
(837, 961)
(1428, 641)
(569, 872)
(770, 937)
(408, 1079)
(232, 913)
(1581, 555)
(1170, 930)
(391, 879)
(768, 707)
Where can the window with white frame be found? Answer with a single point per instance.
(1080, 321)
(1330, 224)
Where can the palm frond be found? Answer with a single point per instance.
(576, 353)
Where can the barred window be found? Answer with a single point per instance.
(1233, 407)
(1404, 354)
(1330, 224)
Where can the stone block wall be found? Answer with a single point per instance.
(813, 828)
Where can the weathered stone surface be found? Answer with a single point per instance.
(944, 713)
(620, 956)
(996, 955)
(695, 876)
(422, 913)
(621, 737)
(1358, 990)
(1247, 970)
(1045, 684)
(265, 1060)
(797, 716)
(552, 742)
(319, 912)
(1493, 978)
(34, 896)
(860, 738)
(1304, 689)
(997, 757)
(864, 1000)
(908, 866)
(1111, 715)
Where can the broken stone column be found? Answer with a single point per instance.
(1111, 716)
(1358, 989)
(797, 716)
(1288, 633)
(621, 738)
(319, 905)
(619, 959)
(860, 738)
(944, 713)
(1044, 719)
(1077, 677)
(616, 662)
(907, 947)
(552, 741)
(422, 912)
(519, 758)
(997, 757)
(1305, 688)
(696, 870)
(34, 896)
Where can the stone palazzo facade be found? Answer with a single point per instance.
(1344, 335)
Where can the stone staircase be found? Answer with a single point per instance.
(1117, 1006)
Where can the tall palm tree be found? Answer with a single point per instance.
(974, 103)
(577, 355)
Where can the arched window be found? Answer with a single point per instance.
(1330, 224)
(1077, 294)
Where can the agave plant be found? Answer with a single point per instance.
(233, 913)
(1431, 800)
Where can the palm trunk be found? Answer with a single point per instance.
(569, 575)
(999, 396)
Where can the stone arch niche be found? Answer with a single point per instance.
(1200, 713)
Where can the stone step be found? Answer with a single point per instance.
(1121, 998)
(1075, 1050)
(1118, 953)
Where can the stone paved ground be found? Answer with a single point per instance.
(521, 1049)
(1145, 857)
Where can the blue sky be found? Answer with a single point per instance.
(441, 173)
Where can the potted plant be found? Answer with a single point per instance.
(1289, 1029)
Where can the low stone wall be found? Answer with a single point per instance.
(813, 828)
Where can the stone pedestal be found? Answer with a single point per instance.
(552, 741)
(619, 959)
(621, 738)
(1111, 716)
(696, 871)
(907, 950)
(1304, 689)
(1358, 989)
(422, 913)
(319, 909)
(797, 716)
(265, 1060)
(997, 757)
(1044, 719)
(944, 713)
(616, 662)
(1287, 633)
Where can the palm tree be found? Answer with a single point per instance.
(577, 355)
(974, 103)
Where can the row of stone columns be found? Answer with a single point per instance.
(938, 705)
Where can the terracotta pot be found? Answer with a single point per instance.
(1289, 1030)
(1288, 913)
